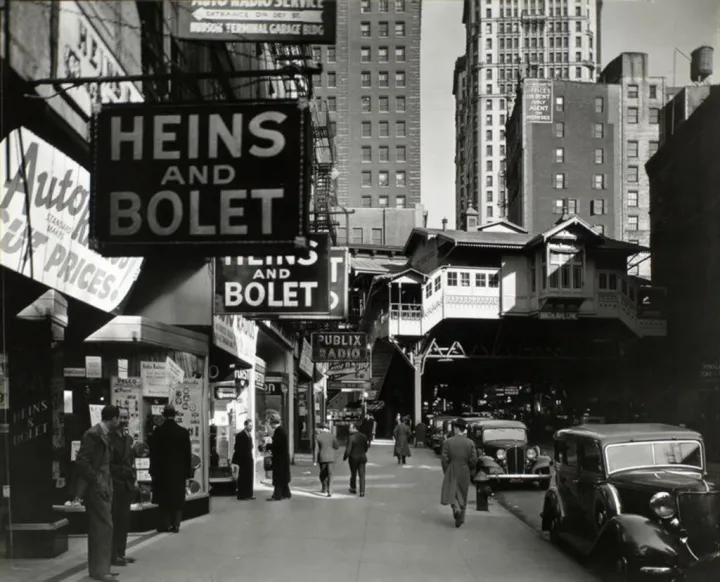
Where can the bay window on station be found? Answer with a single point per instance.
(563, 267)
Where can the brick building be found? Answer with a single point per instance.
(462, 156)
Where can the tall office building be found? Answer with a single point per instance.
(509, 40)
(371, 83)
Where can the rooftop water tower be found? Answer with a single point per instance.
(701, 64)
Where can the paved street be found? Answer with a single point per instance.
(398, 532)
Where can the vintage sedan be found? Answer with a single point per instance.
(634, 499)
(505, 456)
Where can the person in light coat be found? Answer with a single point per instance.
(459, 459)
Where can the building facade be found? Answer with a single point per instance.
(508, 40)
(462, 158)
(377, 226)
(564, 153)
(371, 84)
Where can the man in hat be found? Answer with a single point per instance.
(170, 468)
(280, 450)
(459, 459)
(326, 445)
(122, 469)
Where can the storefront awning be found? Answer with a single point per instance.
(141, 330)
(379, 265)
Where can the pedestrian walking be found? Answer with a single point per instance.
(420, 433)
(170, 469)
(326, 444)
(122, 470)
(280, 450)
(459, 459)
(243, 459)
(93, 465)
(356, 456)
(401, 434)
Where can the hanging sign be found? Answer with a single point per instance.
(93, 367)
(267, 286)
(281, 21)
(155, 381)
(175, 373)
(340, 346)
(203, 176)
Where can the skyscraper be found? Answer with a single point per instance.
(371, 84)
(508, 40)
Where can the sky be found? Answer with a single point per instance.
(655, 27)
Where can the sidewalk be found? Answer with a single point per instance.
(398, 532)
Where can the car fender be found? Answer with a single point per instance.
(608, 496)
(552, 503)
(541, 463)
(489, 465)
(639, 538)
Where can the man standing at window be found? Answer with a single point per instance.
(122, 470)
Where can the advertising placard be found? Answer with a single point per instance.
(186, 397)
(174, 372)
(305, 362)
(236, 335)
(340, 346)
(275, 284)
(538, 100)
(348, 373)
(281, 21)
(126, 393)
(93, 367)
(155, 382)
(58, 191)
(205, 177)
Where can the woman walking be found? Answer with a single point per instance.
(401, 434)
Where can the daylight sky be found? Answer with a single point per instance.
(655, 27)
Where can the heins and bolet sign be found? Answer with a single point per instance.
(339, 347)
(198, 175)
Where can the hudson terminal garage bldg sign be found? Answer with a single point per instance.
(202, 177)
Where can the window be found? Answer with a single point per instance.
(317, 53)
(384, 154)
(488, 181)
(365, 104)
(377, 236)
(632, 91)
(400, 179)
(653, 91)
(333, 128)
(365, 30)
(599, 156)
(599, 182)
(332, 103)
(365, 56)
(559, 129)
(632, 198)
(488, 120)
(598, 130)
(383, 54)
(591, 458)
(331, 54)
(452, 279)
(632, 175)
(383, 179)
(383, 29)
(480, 279)
(559, 181)
(400, 104)
(578, 72)
(365, 80)
(367, 179)
(384, 104)
(599, 104)
(597, 207)
(400, 201)
(364, 6)
(489, 135)
(560, 104)
(489, 212)
(488, 150)
(331, 80)
(357, 236)
(400, 54)
(654, 115)
(383, 202)
(633, 115)
(384, 129)
(438, 283)
(383, 6)
(367, 201)
(383, 79)
(399, 129)
(559, 155)
(632, 149)
(400, 78)
(366, 154)
(400, 153)
(465, 279)
(399, 5)
(633, 223)
(489, 166)
(494, 281)
(565, 270)
(366, 129)
(489, 196)
(400, 29)
(653, 147)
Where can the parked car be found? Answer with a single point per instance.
(440, 426)
(634, 499)
(506, 456)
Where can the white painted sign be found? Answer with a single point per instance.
(155, 382)
(95, 414)
(122, 368)
(67, 401)
(174, 372)
(236, 335)
(126, 393)
(93, 367)
(58, 190)
(74, 372)
(157, 409)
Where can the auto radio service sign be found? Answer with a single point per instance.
(205, 177)
(274, 285)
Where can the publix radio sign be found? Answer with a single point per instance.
(340, 346)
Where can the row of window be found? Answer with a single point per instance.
(383, 79)
(560, 181)
(383, 154)
(382, 6)
(383, 104)
(598, 207)
(383, 54)
(464, 279)
(383, 29)
(384, 129)
(384, 202)
(357, 236)
(383, 179)
(551, 11)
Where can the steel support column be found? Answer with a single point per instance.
(417, 388)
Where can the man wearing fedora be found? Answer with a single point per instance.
(459, 459)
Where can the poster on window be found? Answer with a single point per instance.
(186, 397)
(126, 393)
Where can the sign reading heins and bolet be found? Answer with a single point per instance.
(202, 176)
(339, 346)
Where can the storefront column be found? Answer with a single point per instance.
(290, 405)
(35, 360)
(417, 393)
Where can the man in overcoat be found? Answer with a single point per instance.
(356, 455)
(122, 469)
(401, 434)
(326, 444)
(280, 450)
(243, 458)
(459, 459)
(170, 468)
(93, 466)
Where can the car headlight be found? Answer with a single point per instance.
(501, 454)
(663, 505)
(531, 454)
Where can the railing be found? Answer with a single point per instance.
(405, 311)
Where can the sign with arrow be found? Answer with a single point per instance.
(281, 21)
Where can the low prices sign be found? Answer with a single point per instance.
(275, 284)
(202, 176)
(283, 21)
(340, 346)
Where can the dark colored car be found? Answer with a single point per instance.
(504, 454)
(634, 499)
(439, 428)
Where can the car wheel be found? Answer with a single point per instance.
(553, 525)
